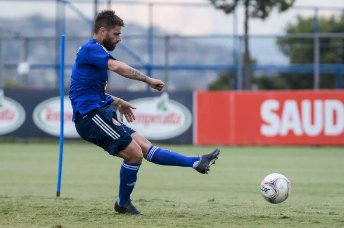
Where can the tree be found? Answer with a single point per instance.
(300, 50)
(222, 82)
(254, 8)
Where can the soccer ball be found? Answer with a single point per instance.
(275, 188)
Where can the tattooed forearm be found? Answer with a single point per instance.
(127, 71)
(131, 73)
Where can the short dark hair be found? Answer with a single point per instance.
(107, 19)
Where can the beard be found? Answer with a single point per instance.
(108, 44)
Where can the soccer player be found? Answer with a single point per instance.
(94, 111)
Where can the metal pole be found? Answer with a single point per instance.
(167, 60)
(235, 73)
(2, 80)
(57, 43)
(25, 60)
(316, 63)
(95, 15)
(150, 40)
(109, 4)
(59, 171)
(240, 64)
(338, 78)
(59, 29)
(95, 8)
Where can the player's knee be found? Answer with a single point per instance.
(144, 143)
(134, 153)
(136, 157)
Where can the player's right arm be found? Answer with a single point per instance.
(127, 71)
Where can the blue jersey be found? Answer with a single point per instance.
(89, 78)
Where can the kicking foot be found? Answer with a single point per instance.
(128, 208)
(203, 165)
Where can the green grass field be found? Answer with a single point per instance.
(170, 196)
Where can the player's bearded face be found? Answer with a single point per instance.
(112, 38)
(109, 44)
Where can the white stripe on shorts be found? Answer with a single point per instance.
(106, 125)
(108, 130)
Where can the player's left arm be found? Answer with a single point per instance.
(127, 71)
(124, 108)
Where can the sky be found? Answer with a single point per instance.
(181, 20)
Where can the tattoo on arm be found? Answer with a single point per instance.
(131, 73)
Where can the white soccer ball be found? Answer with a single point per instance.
(275, 188)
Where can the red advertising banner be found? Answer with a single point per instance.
(270, 118)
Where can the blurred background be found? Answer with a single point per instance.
(260, 79)
(192, 45)
(264, 48)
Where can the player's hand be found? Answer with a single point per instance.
(156, 84)
(126, 110)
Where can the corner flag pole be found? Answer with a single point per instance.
(59, 172)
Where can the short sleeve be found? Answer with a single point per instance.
(98, 56)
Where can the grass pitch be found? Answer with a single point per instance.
(170, 196)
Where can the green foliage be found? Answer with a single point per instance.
(293, 81)
(259, 8)
(253, 8)
(11, 85)
(170, 196)
(270, 82)
(223, 82)
(277, 82)
(300, 50)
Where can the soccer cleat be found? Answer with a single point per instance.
(203, 165)
(128, 208)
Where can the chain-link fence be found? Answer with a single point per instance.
(190, 53)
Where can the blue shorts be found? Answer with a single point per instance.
(101, 127)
